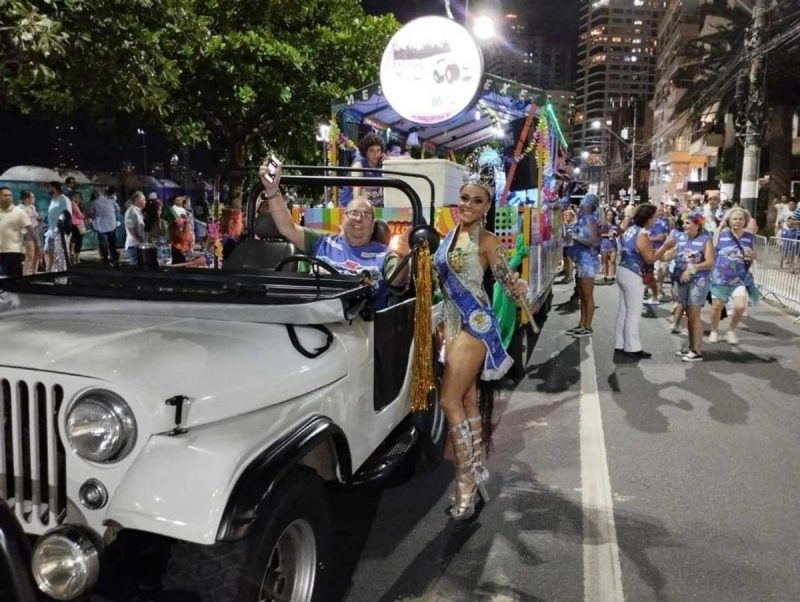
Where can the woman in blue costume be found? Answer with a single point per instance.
(586, 253)
(608, 244)
(369, 157)
(734, 253)
(473, 344)
(694, 257)
(636, 252)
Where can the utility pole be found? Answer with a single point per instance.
(633, 151)
(756, 110)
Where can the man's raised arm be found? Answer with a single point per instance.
(278, 210)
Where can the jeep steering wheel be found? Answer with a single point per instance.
(311, 261)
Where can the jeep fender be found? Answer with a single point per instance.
(209, 483)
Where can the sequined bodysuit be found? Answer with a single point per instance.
(466, 263)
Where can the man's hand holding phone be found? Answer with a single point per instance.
(270, 175)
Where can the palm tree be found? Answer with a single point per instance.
(715, 77)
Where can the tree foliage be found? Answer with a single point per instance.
(233, 74)
(714, 61)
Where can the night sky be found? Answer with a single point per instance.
(28, 141)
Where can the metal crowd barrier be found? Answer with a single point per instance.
(777, 271)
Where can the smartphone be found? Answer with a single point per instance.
(272, 168)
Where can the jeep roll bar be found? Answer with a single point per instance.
(340, 181)
(391, 172)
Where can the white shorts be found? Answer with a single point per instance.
(660, 265)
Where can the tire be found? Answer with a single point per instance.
(296, 526)
(433, 428)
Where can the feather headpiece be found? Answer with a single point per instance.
(482, 167)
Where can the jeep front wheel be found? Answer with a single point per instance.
(285, 558)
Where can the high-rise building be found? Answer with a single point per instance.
(532, 59)
(671, 158)
(563, 102)
(617, 48)
(537, 49)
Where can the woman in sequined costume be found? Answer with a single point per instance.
(473, 345)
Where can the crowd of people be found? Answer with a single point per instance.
(31, 242)
(692, 254)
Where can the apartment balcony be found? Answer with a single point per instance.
(707, 143)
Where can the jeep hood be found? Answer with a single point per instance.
(226, 367)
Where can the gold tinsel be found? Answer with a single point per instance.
(422, 382)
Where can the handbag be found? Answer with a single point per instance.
(741, 250)
(648, 273)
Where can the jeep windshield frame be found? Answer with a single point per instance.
(202, 285)
(417, 216)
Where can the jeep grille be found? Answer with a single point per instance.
(32, 458)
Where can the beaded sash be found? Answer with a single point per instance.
(476, 317)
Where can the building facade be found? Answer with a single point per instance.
(684, 152)
(617, 49)
(530, 55)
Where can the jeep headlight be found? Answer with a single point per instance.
(101, 427)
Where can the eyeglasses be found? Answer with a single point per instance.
(355, 213)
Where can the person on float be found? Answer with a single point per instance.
(473, 347)
(586, 251)
(694, 258)
(351, 252)
(636, 250)
(734, 253)
(371, 149)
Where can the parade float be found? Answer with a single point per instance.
(434, 98)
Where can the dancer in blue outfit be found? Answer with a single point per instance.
(694, 257)
(734, 251)
(585, 252)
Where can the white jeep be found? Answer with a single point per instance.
(205, 407)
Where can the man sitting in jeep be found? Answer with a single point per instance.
(354, 251)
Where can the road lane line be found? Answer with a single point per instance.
(602, 574)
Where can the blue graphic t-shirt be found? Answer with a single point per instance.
(373, 258)
(374, 194)
(660, 228)
(629, 255)
(608, 244)
(690, 251)
(582, 254)
(730, 268)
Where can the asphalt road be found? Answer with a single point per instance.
(657, 480)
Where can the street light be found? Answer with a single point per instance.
(484, 28)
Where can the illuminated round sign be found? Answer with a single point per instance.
(431, 70)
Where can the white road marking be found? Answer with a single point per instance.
(602, 574)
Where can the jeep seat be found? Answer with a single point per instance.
(381, 232)
(262, 252)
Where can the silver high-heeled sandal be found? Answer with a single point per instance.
(479, 468)
(467, 488)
